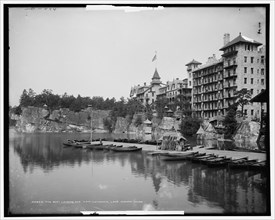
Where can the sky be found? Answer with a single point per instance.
(106, 52)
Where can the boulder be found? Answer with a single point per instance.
(247, 132)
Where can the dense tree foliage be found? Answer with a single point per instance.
(53, 101)
(181, 102)
(242, 98)
(160, 105)
(189, 126)
(120, 108)
(230, 121)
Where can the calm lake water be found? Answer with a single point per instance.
(46, 178)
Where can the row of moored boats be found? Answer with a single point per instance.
(99, 146)
(212, 160)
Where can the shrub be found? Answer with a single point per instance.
(108, 124)
(138, 121)
(230, 123)
(189, 126)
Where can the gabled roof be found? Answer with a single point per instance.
(215, 62)
(200, 131)
(193, 62)
(156, 74)
(240, 39)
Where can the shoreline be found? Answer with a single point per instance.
(220, 153)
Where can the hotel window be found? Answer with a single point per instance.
(251, 80)
(262, 59)
(262, 71)
(245, 112)
(252, 112)
(245, 59)
(252, 59)
(245, 80)
(252, 70)
(251, 91)
(262, 81)
(245, 69)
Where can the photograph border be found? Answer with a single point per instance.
(6, 80)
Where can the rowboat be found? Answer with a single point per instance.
(258, 165)
(218, 162)
(205, 160)
(195, 156)
(91, 146)
(82, 141)
(198, 159)
(67, 144)
(178, 154)
(178, 157)
(157, 153)
(110, 147)
(239, 160)
(76, 143)
(126, 149)
(241, 164)
(99, 147)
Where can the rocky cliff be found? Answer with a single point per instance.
(34, 119)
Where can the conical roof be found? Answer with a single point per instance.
(242, 39)
(156, 74)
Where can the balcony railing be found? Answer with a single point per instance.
(230, 65)
(228, 75)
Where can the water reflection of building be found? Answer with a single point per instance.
(235, 192)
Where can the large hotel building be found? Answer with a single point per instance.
(242, 66)
(211, 87)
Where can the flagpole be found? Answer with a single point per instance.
(156, 59)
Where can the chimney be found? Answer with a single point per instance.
(145, 84)
(226, 38)
(177, 78)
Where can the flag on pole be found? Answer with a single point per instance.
(154, 58)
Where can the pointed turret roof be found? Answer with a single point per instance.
(193, 62)
(156, 74)
(240, 39)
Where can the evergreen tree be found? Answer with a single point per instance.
(242, 98)
(230, 122)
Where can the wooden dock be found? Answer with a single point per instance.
(220, 153)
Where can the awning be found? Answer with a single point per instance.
(263, 96)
